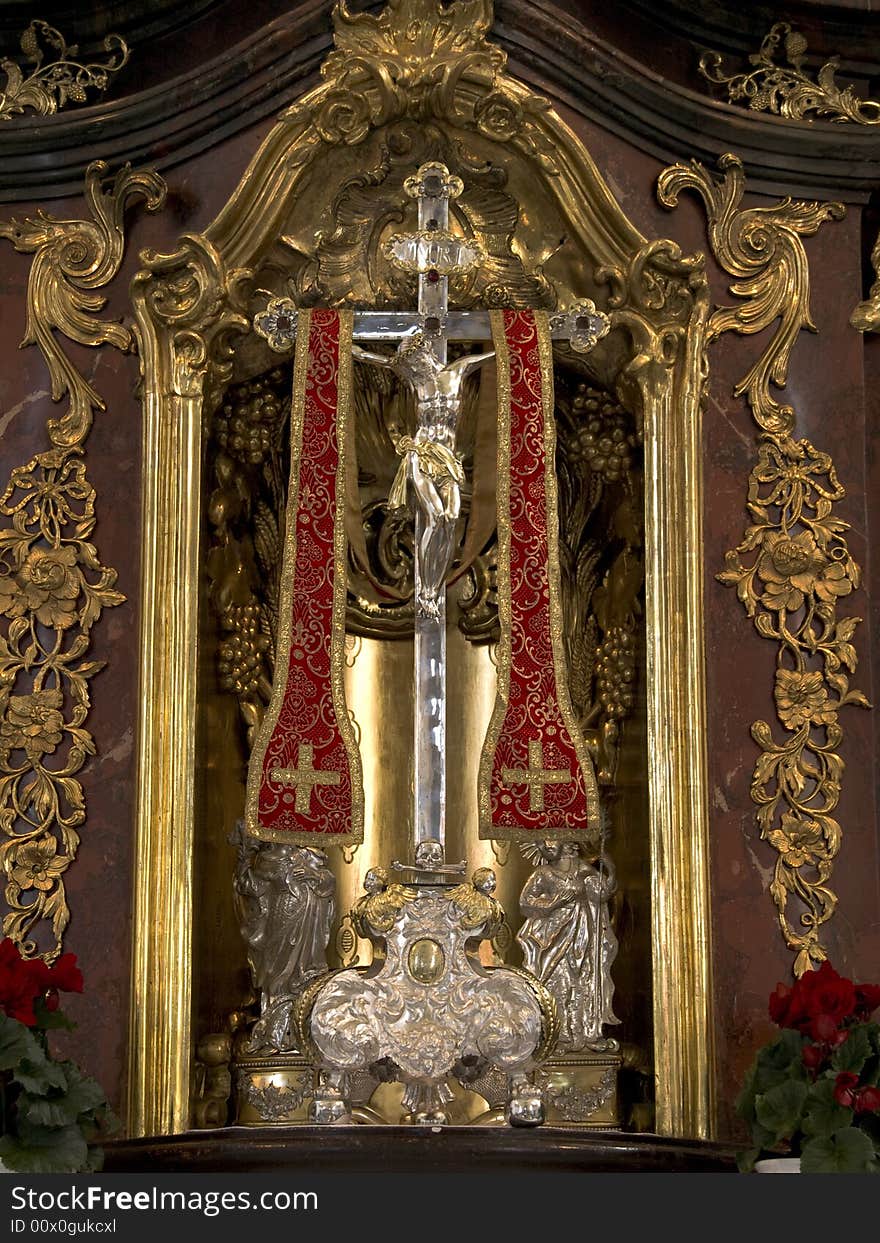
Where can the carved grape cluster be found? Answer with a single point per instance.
(604, 440)
(616, 672)
(240, 661)
(249, 418)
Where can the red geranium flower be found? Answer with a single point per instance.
(786, 1007)
(844, 1086)
(22, 981)
(867, 1000)
(867, 1100)
(813, 1056)
(826, 992)
(66, 975)
(823, 1028)
(817, 994)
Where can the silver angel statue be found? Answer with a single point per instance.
(285, 900)
(568, 941)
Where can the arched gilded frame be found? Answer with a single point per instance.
(415, 69)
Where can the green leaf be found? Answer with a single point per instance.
(17, 1044)
(745, 1161)
(745, 1102)
(84, 1095)
(781, 1108)
(848, 1151)
(52, 1020)
(854, 1051)
(780, 1061)
(41, 1077)
(40, 1111)
(41, 1151)
(823, 1116)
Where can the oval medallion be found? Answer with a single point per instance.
(426, 961)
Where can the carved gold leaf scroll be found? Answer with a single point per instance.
(786, 89)
(60, 80)
(412, 59)
(866, 316)
(53, 587)
(798, 564)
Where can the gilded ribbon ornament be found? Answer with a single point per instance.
(53, 587)
(797, 564)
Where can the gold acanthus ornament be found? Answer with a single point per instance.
(797, 564)
(786, 89)
(53, 587)
(420, 59)
(62, 79)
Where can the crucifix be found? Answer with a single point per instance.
(430, 474)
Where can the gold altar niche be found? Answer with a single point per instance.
(417, 82)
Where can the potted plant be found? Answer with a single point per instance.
(813, 1092)
(49, 1110)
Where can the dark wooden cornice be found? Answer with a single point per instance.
(808, 159)
(42, 158)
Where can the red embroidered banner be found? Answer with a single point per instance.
(536, 777)
(304, 779)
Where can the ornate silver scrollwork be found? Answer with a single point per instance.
(427, 1004)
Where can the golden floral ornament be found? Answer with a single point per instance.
(47, 585)
(38, 865)
(786, 89)
(802, 699)
(793, 565)
(53, 587)
(789, 567)
(33, 724)
(497, 116)
(60, 80)
(800, 842)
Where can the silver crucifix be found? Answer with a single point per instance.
(431, 473)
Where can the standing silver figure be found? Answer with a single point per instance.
(430, 461)
(285, 898)
(568, 942)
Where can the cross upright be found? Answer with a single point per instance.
(305, 777)
(536, 776)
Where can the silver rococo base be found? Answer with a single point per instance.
(427, 1034)
(427, 1012)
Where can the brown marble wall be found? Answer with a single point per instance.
(99, 883)
(834, 385)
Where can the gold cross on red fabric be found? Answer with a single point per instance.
(536, 776)
(305, 777)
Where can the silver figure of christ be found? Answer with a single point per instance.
(430, 462)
